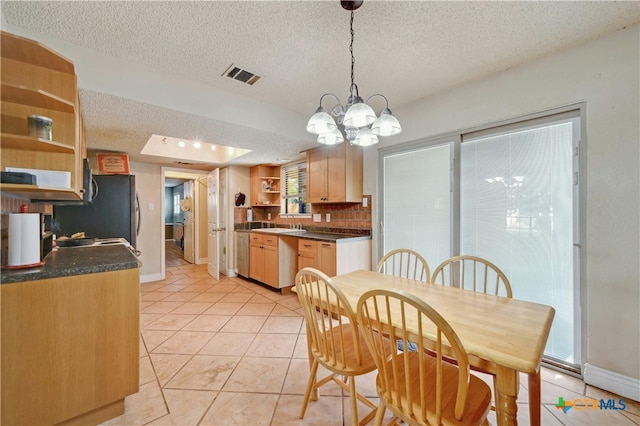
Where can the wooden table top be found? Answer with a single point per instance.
(508, 332)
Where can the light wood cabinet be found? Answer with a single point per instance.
(263, 258)
(265, 186)
(334, 258)
(334, 174)
(317, 254)
(37, 81)
(70, 347)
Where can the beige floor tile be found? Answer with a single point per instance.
(244, 323)
(163, 307)
(272, 345)
(251, 308)
(280, 324)
(560, 379)
(142, 349)
(207, 323)
(143, 407)
(224, 308)
(146, 319)
(153, 338)
(591, 416)
(229, 408)
(222, 288)
(170, 322)
(186, 407)
(167, 365)
(234, 344)
(283, 311)
(184, 342)
(192, 308)
(631, 406)
(237, 296)
(181, 297)
(204, 372)
(297, 377)
(152, 286)
(199, 287)
(147, 374)
(208, 297)
(323, 412)
(262, 375)
(259, 298)
(154, 296)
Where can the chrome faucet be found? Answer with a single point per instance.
(293, 218)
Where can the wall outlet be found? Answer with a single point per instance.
(317, 217)
(365, 201)
(328, 218)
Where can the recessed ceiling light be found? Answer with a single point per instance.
(184, 149)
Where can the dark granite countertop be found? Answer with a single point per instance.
(64, 262)
(334, 235)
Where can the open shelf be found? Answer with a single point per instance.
(40, 192)
(36, 98)
(29, 143)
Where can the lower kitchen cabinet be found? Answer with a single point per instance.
(334, 258)
(70, 347)
(272, 259)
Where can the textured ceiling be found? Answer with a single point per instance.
(156, 67)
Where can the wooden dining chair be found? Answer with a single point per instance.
(472, 273)
(420, 387)
(334, 339)
(478, 274)
(404, 263)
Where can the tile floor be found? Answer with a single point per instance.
(232, 352)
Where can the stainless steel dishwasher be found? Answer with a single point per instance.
(242, 253)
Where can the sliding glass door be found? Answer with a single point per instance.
(510, 196)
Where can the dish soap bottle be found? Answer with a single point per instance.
(249, 215)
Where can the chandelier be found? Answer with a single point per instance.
(361, 125)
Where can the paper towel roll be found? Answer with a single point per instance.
(24, 239)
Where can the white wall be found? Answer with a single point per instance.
(605, 74)
(150, 190)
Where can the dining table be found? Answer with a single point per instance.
(503, 336)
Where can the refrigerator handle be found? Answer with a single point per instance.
(139, 215)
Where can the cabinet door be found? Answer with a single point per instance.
(336, 177)
(316, 175)
(307, 260)
(327, 258)
(256, 262)
(270, 262)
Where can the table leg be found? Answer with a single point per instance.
(506, 394)
(534, 399)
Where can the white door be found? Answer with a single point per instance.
(213, 223)
(189, 221)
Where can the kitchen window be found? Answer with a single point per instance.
(295, 188)
(509, 193)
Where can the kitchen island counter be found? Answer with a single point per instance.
(64, 262)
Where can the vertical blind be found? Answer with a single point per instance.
(295, 186)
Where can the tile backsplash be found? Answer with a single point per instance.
(344, 215)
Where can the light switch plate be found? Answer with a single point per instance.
(328, 217)
(365, 201)
(152, 207)
(317, 217)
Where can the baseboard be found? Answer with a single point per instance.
(612, 382)
(147, 278)
(202, 260)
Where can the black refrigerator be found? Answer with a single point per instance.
(114, 211)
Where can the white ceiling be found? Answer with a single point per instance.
(155, 67)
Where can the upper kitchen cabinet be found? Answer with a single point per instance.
(265, 186)
(38, 81)
(334, 174)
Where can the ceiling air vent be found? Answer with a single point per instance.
(239, 74)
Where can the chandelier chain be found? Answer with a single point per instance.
(353, 59)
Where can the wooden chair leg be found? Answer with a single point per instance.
(380, 414)
(534, 399)
(310, 387)
(353, 399)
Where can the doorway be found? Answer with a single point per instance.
(183, 213)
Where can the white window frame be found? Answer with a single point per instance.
(300, 165)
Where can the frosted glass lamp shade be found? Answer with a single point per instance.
(359, 114)
(331, 138)
(321, 122)
(365, 137)
(386, 124)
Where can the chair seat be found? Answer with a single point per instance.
(344, 339)
(477, 405)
